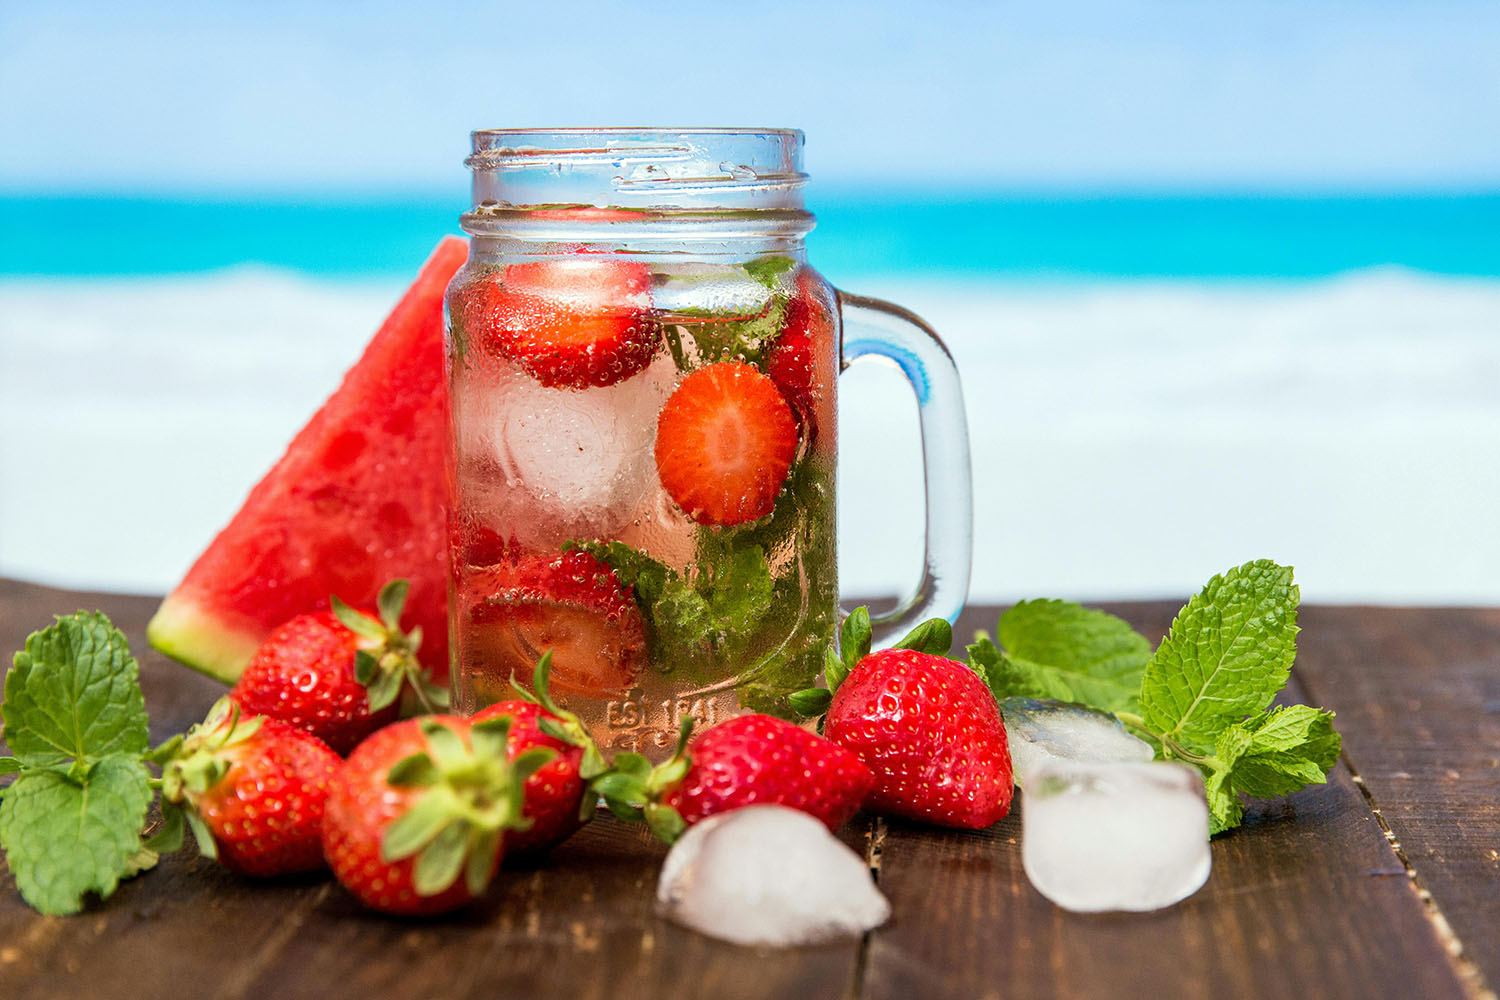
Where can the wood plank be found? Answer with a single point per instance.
(1418, 697)
(1306, 898)
(579, 924)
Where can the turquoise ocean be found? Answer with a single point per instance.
(859, 233)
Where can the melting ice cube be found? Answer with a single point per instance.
(1115, 836)
(572, 461)
(1041, 730)
(770, 876)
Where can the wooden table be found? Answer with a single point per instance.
(1383, 883)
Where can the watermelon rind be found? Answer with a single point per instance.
(187, 634)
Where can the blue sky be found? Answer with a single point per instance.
(314, 97)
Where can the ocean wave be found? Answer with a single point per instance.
(1129, 437)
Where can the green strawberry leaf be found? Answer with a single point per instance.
(811, 702)
(934, 636)
(390, 601)
(414, 829)
(64, 839)
(440, 861)
(1227, 654)
(664, 822)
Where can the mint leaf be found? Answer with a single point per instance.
(64, 839)
(1225, 810)
(74, 694)
(1285, 749)
(1228, 653)
(70, 823)
(768, 270)
(1060, 650)
(738, 590)
(1272, 754)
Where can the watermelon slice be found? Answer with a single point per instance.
(359, 498)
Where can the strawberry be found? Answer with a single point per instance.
(748, 760)
(339, 673)
(252, 789)
(556, 804)
(790, 359)
(416, 817)
(929, 729)
(725, 441)
(571, 604)
(571, 323)
(758, 760)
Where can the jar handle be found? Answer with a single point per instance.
(877, 329)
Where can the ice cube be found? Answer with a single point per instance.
(575, 462)
(1115, 836)
(693, 292)
(768, 876)
(1041, 729)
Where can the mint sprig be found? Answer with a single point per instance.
(1202, 697)
(75, 721)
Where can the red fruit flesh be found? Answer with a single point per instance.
(930, 730)
(555, 792)
(266, 812)
(363, 804)
(571, 604)
(570, 323)
(359, 498)
(303, 675)
(790, 361)
(761, 760)
(725, 441)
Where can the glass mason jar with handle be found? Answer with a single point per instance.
(643, 372)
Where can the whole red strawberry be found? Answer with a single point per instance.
(748, 760)
(554, 794)
(252, 789)
(571, 604)
(417, 816)
(762, 760)
(339, 673)
(930, 730)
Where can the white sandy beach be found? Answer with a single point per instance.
(1129, 439)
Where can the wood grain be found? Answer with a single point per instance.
(1417, 693)
(1307, 899)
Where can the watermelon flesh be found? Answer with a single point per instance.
(359, 498)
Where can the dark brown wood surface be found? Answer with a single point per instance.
(1309, 898)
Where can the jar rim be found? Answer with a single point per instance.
(613, 130)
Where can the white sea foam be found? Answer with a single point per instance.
(1130, 438)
